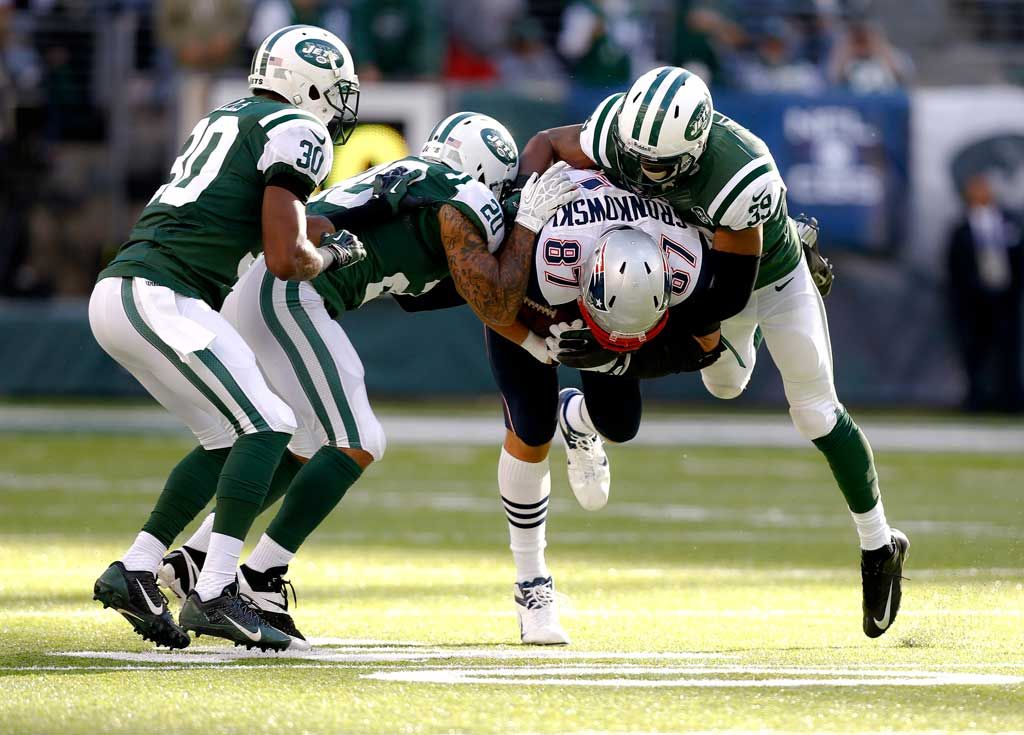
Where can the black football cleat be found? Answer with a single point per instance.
(234, 617)
(269, 592)
(179, 571)
(881, 573)
(136, 596)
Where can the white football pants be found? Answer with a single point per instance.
(792, 318)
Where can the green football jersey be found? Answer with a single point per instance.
(207, 217)
(735, 184)
(405, 254)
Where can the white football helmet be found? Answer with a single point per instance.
(625, 290)
(477, 145)
(313, 70)
(661, 129)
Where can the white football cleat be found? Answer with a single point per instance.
(589, 474)
(538, 613)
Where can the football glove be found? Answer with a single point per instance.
(392, 187)
(543, 195)
(575, 346)
(821, 269)
(340, 249)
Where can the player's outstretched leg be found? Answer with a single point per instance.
(589, 473)
(179, 570)
(314, 493)
(883, 549)
(136, 597)
(796, 331)
(525, 488)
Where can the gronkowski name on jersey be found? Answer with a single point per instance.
(573, 232)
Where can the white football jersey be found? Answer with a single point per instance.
(573, 232)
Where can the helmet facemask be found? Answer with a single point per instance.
(647, 175)
(343, 98)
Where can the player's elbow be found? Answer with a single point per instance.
(281, 263)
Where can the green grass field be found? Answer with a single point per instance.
(719, 590)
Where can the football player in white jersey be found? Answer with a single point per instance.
(617, 262)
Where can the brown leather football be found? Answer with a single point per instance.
(539, 317)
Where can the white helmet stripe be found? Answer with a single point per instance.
(653, 132)
(645, 106)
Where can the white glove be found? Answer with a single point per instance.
(537, 347)
(556, 330)
(543, 195)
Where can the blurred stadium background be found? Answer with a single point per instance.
(879, 115)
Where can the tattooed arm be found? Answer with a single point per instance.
(493, 285)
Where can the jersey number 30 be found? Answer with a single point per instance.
(199, 165)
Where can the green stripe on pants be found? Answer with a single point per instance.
(326, 360)
(278, 330)
(136, 320)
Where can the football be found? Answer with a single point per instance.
(539, 317)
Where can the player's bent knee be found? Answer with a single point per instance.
(373, 440)
(815, 420)
(619, 432)
(724, 391)
(360, 456)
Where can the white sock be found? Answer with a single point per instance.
(200, 540)
(872, 528)
(220, 567)
(525, 487)
(268, 554)
(577, 416)
(144, 554)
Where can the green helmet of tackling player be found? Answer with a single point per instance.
(477, 145)
(661, 129)
(312, 69)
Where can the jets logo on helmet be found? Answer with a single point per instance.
(312, 69)
(476, 145)
(320, 53)
(626, 289)
(700, 120)
(661, 129)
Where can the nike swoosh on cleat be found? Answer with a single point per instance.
(255, 637)
(779, 288)
(884, 622)
(149, 602)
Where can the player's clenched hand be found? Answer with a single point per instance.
(575, 346)
(543, 195)
(340, 250)
(393, 185)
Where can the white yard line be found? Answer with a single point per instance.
(721, 429)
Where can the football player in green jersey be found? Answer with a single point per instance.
(663, 138)
(423, 221)
(239, 185)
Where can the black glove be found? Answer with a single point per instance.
(392, 186)
(821, 269)
(340, 250)
(579, 349)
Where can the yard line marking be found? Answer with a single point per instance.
(533, 676)
(725, 429)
